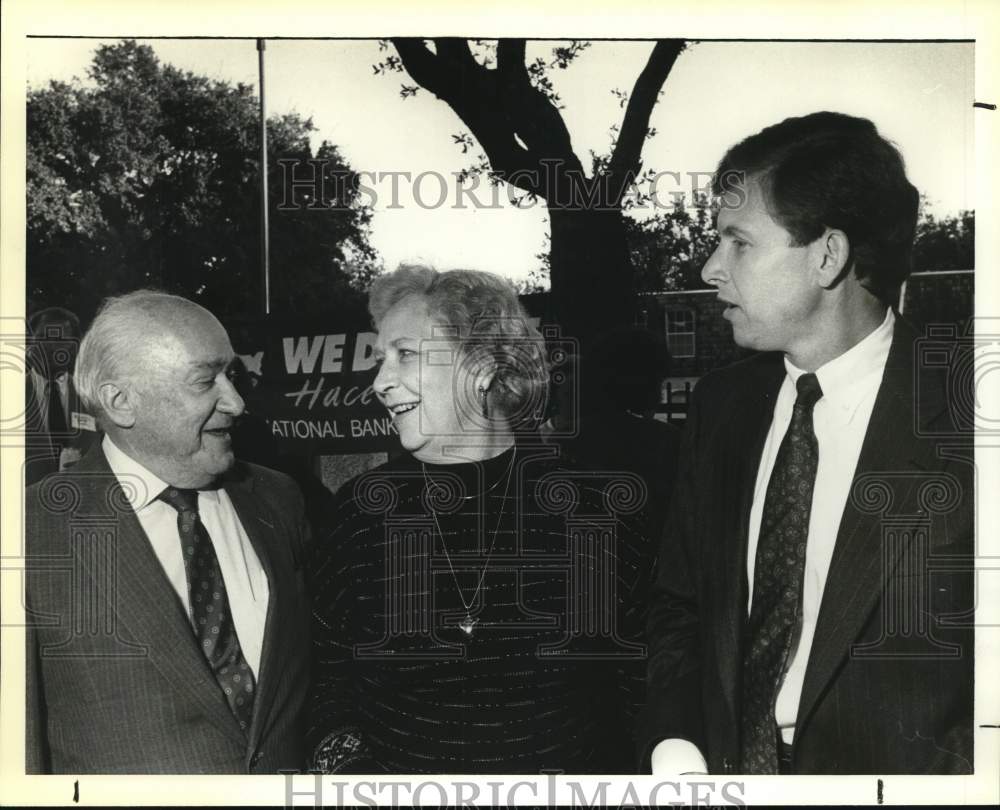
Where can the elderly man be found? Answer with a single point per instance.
(812, 614)
(167, 620)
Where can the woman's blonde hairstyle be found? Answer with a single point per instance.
(488, 323)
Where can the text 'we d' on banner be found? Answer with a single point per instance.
(309, 391)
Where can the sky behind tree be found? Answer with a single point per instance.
(919, 95)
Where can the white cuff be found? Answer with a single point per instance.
(675, 757)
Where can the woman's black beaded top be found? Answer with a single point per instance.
(543, 566)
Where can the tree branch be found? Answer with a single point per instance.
(535, 119)
(626, 159)
(473, 92)
(425, 67)
(456, 53)
(462, 83)
(510, 62)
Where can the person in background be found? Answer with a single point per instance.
(478, 607)
(180, 644)
(58, 429)
(796, 626)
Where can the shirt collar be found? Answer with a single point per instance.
(60, 377)
(150, 485)
(848, 377)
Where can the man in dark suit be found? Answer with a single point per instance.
(812, 612)
(167, 618)
(58, 430)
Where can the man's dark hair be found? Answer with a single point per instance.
(830, 170)
(37, 321)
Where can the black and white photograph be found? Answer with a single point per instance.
(492, 408)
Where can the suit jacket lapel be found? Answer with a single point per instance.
(745, 437)
(146, 604)
(857, 574)
(261, 528)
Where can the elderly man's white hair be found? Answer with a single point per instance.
(124, 323)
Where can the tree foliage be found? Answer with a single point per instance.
(149, 176)
(948, 243)
(669, 250)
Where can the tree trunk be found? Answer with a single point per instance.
(591, 275)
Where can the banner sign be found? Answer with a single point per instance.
(308, 384)
(313, 389)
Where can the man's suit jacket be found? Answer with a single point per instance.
(883, 691)
(116, 682)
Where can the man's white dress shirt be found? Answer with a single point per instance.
(850, 385)
(246, 581)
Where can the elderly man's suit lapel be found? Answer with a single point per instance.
(148, 610)
(141, 598)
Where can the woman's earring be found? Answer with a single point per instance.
(484, 403)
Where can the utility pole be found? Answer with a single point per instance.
(265, 241)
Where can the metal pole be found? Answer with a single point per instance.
(265, 242)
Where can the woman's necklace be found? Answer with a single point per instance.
(468, 624)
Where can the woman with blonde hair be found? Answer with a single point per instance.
(456, 626)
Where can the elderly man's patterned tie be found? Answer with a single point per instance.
(213, 623)
(775, 613)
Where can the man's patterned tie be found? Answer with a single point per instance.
(213, 623)
(776, 609)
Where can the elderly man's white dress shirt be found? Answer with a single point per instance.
(246, 581)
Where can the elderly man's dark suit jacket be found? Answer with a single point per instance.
(116, 682)
(883, 692)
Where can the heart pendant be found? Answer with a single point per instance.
(468, 625)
